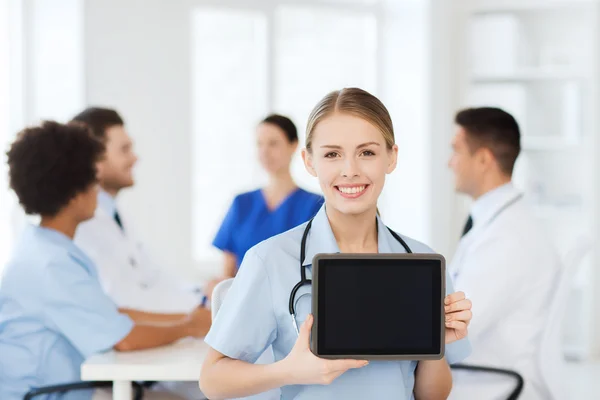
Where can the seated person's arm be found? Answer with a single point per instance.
(143, 317)
(78, 308)
(144, 336)
(433, 380)
(149, 318)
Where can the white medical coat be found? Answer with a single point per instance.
(509, 270)
(127, 272)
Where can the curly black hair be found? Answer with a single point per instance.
(50, 164)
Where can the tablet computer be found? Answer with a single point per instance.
(378, 306)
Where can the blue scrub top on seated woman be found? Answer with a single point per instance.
(255, 315)
(249, 220)
(53, 315)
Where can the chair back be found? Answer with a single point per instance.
(218, 296)
(551, 358)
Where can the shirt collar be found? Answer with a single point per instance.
(106, 202)
(321, 239)
(60, 240)
(487, 205)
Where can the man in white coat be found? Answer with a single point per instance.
(127, 272)
(504, 262)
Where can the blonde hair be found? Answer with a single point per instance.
(356, 102)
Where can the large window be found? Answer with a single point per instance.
(10, 115)
(229, 95)
(38, 80)
(318, 50)
(55, 60)
(248, 62)
(4, 128)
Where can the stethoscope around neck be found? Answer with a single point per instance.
(304, 281)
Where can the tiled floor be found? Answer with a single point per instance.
(583, 380)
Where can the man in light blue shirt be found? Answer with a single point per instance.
(53, 312)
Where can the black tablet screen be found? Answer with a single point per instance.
(379, 306)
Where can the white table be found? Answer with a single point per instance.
(180, 361)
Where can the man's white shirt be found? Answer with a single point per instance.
(509, 270)
(127, 272)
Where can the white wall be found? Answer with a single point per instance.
(54, 54)
(595, 127)
(138, 61)
(447, 211)
(404, 204)
(146, 76)
(5, 61)
(45, 81)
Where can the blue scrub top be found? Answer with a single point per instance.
(249, 220)
(255, 315)
(53, 315)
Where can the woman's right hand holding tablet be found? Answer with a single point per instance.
(304, 368)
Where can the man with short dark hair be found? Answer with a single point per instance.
(127, 271)
(129, 275)
(504, 262)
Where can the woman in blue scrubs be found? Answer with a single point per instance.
(350, 148)
(281, 205)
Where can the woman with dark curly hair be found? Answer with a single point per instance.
(53, 312)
